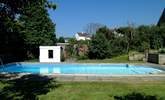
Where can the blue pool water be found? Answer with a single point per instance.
(78, 69)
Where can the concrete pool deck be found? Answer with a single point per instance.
(89, 78)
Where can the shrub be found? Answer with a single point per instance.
(162, 51)
(136, 96)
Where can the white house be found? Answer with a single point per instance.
(82, 36)
(50, 54)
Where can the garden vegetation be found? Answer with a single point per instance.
(108, 43)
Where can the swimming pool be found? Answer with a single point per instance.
(38, 68)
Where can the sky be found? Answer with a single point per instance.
(72, 16)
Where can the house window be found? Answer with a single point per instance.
(50, 53)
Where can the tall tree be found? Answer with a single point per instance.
(128, 33)
(39, 29)
(156, 38)
(141, 41)
(162, 31)
(11, 41)
(107, 32)
(9, 8)
(98, 48)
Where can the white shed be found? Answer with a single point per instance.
(50, 54)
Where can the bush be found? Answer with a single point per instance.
(98, 48)
(82, 57)
(162, 51)
(136, 96)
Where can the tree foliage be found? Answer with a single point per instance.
(61, 40)
(11, 41)
(117, 46)
(39, 29)
(109, 43)
(128, 33)
(98, 48)
(72, 47)
(24, 25)
(107, 32)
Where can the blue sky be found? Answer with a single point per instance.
(72, 16)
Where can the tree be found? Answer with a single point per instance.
(11, 39)
(117, 46)
(107, 32)
(10, 8)
(162, 32)
(128, 33)
(14, 33)
(156, 39)
(61, 40)
(72, 48)
(38, 27)
(141, 41)
(98, 48)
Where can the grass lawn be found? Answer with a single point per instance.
(25, 89)
(119, 59)
(103, 90)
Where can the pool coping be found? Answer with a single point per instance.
(97, 78)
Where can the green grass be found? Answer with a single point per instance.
(119, 59)
(103, 90)
(2, 85)
(80, 90)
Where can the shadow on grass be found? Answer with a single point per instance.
(27, 87)
(136, 96)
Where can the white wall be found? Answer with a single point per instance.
(44, 54)
(79, 37)
(87, 38)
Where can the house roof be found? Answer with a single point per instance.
(162, 18)
(84, 34)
